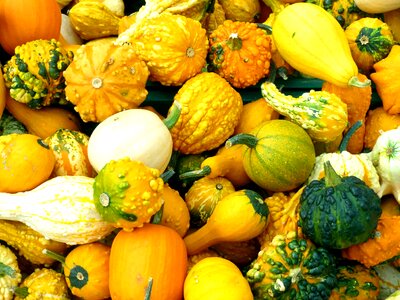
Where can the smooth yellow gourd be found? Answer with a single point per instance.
(311, 40)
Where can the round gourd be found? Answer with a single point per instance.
(279, 156)
(136, 133)
(152, 251)
(370, 40)
(26, 161)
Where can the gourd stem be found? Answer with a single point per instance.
(354, 81)
(173, 115)
(331, 177)
(168, 173)
(206, 170)
(148, 289)
(54, 255)
(242, 138)
(348, 135)
(265, 27)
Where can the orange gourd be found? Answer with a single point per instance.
(3, 93)
(152, 252)
(22, 21)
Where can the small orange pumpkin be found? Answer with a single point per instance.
(152, 252)
(22, 21)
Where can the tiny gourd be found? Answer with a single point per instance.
(239, 216)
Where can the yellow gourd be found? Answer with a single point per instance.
(311, 40)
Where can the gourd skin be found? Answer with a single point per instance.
(9, 124)
(3, 93)
(34, 74)
(338, 212)
(61, 209)
(291, 267)
(12, 273)
(377, 6)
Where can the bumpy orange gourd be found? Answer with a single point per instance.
(26, 161)
(240, 52)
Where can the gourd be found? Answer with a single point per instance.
(3, 93)
(239, 216)
(43, 283)
(377, 6)
(11, 274)
(173, 46)
(214, 18)
(127, 193)
(86, 270)
(356, 282)
(28, 242)
(62, 209)
(279, 155)
(115, 81)
(70, 151)
(42, 22)
(291, 266)
(241, 10)
(240, 52)
(347, 212)
(45, 121)
(387, 88)
(152, 252)
(216, 278)
(34, 74)
(26, 162)
(312, 42)
(391, 18)
(241, 253)
(211, 109)
(385, 157)
(203, 196)
(9, 124)
(358, 102)
(111, 140)
(195, 258)
(322, 114)
(370, 41)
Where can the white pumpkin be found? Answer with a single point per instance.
(136, 133)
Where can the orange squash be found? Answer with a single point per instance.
(26, 161)
(152, 252)
(22, 21)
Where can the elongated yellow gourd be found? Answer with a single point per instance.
(311, 40)
(61, 209)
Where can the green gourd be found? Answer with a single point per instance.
(9, 124)
(338, 212)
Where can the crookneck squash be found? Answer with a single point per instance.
(338, 212)
(240, 52)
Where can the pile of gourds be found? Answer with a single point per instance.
(281, 197)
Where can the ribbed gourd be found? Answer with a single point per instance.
(34, 74)
(322, 114)
(291, 267)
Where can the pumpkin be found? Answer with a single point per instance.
(45, 121)
(322, 114)
(115, 80)
(358, 101)
(42, 22)
(337, 212)
(291, 267)
(211, 109)
(61, 209)
(313, 43)
(127, 193)
(216, 278)
(26, 162)
(241, 10)
(174, 47)
(279, 155)
(239, 216)
(203, 196)
(153, 252)
(133, 133)
(34, 74)
(86, 270)
(387, 88)
(370, 41)
(240, 52)
(377, 6)
(70, 151)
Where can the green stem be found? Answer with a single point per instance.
(354, 81)
(148, 289)
(265, 27)
(173, 115)
(348, 135)
(206, 170)
(242, 138)
(168, 173)
(54, 255)
(331, 177)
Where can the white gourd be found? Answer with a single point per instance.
(377, 6)
(61, 209)
(385, 156)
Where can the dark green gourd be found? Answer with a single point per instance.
(338, 212)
